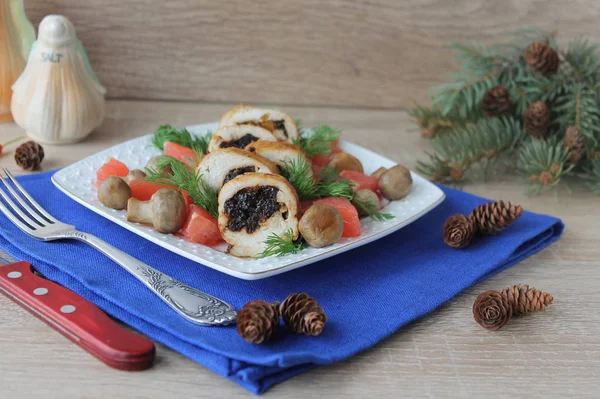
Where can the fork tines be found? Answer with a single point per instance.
(28, 215)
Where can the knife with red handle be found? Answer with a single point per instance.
(76, 318)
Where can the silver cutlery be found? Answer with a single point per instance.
(192, 304)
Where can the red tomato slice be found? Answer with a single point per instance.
(348, 212)
(304, 205)
(316, 169)
(360, 180)
(144, 190)
(321, 160)
(201, 227)
(111, 168)
(180, 152)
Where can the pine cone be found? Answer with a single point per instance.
(537, 119)
(257, 321)
(573, 141)
(525, 300)
(496, 101)
(494, 217)
(542, 58)
(458, 231)
(492, 310)
(29, 155)
(302, 314)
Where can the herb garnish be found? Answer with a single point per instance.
(186, 179)
(318, 140)
(371, 210)
(183, 137)
(280, 246)
(297, 172)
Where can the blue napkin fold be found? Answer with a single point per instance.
(367, 293)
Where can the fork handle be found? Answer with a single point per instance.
(194, 305)
(76, 318)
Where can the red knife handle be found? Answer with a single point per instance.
(76, 318)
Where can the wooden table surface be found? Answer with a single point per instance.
(446, 354)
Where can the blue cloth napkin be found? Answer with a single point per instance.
(367, 293)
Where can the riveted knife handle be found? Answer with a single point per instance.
(76, 318)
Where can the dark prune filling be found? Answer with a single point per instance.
(250, 206)
(271, 126)
(280, 125)
(242, 142)
(233, 173)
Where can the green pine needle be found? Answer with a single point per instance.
(318, 140)
(480, 143)
(463, 137)
(280, 246)
(543, 163)
(188, 180)
(592, 175)
(183, 137)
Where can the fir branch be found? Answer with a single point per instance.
(433, 122)
(281, 246)
(482, 142)
(543, 162)
(583, 60)
(591, 173)
(183, 137)
(579, 107)
(318, 140)
(464, 95)
(438, 170)
(185, 179)
(371, 210)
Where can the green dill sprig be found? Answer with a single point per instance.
(297, 172)
(318, 140)
(282, 245)
(183, 137)
(371, 210)
(186, 179)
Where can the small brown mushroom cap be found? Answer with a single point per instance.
(365, 196)
(379, 172)
(321, 225)
(344, 161)
(395, 183)
(155, 164)
(114, 193)
(166, 211)
(135, 174)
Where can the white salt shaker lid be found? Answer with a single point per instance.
(56, 31)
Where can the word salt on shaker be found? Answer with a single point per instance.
(58, 99)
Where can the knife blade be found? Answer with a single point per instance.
(76, 318)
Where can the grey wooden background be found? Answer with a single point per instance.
(378, 53)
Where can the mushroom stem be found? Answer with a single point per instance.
(166, 211)
(139, 211)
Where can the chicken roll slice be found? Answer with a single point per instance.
(280, 124)
(254, 206)
(238, 136)
(220, 166)
(281, 153)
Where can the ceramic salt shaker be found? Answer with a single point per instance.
(16, 37)
(58, 99)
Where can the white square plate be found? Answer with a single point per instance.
(77, 181)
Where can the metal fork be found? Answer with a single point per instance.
(194, 305)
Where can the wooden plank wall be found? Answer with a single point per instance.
(377, 53)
